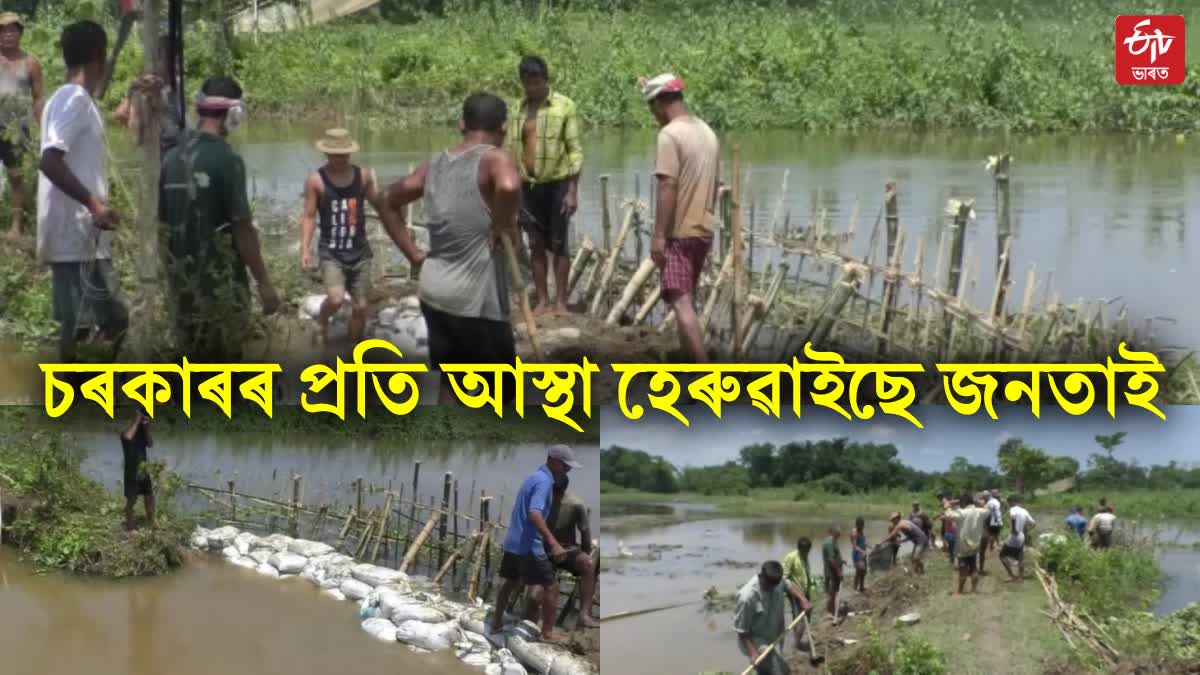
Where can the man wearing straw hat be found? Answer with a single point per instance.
(337, 195)
(20, 101)
(211, 238)
(471, 191)
(686, 167)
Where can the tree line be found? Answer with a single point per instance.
(842, 466)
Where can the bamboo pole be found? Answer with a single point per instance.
(294, 525)
(522, 297)
(605, 220)
(447, 480)
(768, 304)
(715, 292)
(381, 531)
(232, 503)
(610, 265)
(777, 215)
(477, 567)
(364, 539)
(739, 290)
(635, 284)
(582, 257)
(999, 168)
(958, 211)
(891, 287)
(437, 579)
(652, 299)
(416, 545)
(997, 308)
(358, 502)
(852, 274)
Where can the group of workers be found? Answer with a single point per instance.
(971, 526)
(475, 194)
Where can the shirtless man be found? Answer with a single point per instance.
(20, 101)
(913, 533)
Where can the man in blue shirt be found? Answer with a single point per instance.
(1077, 522)
(530, 549)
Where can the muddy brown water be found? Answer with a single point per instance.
(725, 553)
(210, 617)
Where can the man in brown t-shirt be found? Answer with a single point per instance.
(686, 167)
(568, 516)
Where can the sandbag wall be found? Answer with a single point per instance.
(395, 607)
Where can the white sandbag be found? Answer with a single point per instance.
(435, 637)
(547, 658)
(354, 590)
(313, 574)
(380, 629)
(415, 612)
(507, 664)
(230, 552)
(567, 663)
(221, 537)
(245, 561)
(245, 542)
(261, 556)
(374, 575)
(331, 583)
(477, 659)
(267, 571)
(288, 563)
(334, 593)
(478, 639)
(277, 542)
(309, 549)
(199, 542)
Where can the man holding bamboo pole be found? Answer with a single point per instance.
(686, 167)
(471, 194)
(530, 549)
(758, 619)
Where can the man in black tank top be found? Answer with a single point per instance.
(335, 198)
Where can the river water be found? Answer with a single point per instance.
(695, 555)
(1109, 214)
(209, 617)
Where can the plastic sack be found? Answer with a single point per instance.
(288, 563)
(434, 637)
(477, 659)
(261, 557)
(245, 561)
(415, 612)
(245, 542)
(334, 593)
(380, 629)
(374, 575)
(230, 552)
(354, 590)
(309, 549)
(267, 571)
(221, 537)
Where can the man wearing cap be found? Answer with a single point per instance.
(569, 516)
(211, 239)
(530, 549)
(550, 158)
(75, 221)
(686, 167)
(20, 102)
(337, 194)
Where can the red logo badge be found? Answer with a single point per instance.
(1150, 49)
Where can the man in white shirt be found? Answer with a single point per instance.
(1100, 529)
(1014, 548)
(995, 524)
(75, 221)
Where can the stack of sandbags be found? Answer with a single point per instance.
(403, 325)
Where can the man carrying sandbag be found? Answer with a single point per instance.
(530, 549)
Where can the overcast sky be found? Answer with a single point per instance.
(945, 436)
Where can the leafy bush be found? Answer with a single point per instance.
(916, 656)
(1112, 582)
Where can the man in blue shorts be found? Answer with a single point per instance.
(530, 549)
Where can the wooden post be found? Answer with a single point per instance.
(652, 299)
(412, 516)
(605, 220)
(635, 284)
(610, 265)
(358, 501)
(891, 285)
(768, 303)
(892, 217)
(142, 331)
(484, 543)
(841, 292)
(232, 503)
(958, 212)
(582, 257)
(999, 168)
(739, 289)
(777, 215)
(383, 523)
(637, 225)
(750, 246)
(486, 505)
(294, 526)
(416, 545)
(447, 481)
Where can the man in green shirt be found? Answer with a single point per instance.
(797, 574)
(831, 555)
(210, 237)
(758, 618)
(550, 156)
(568, 515)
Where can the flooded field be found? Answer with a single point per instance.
(1082, 205)
(678, 562)
(210, 617)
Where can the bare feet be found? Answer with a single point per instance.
(588, 622)
(553, 638)
(543, 309)
(560, 310)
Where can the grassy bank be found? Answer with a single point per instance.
(1141, 504)
(1014, 64)
(58, 518)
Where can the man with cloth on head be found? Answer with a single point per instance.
(530, 549)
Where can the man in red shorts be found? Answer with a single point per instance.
(686, 167)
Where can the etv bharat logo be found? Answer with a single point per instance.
(1150, 49)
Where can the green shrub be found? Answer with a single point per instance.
(1112, 582)
(916, 656)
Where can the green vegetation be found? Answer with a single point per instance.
(1112, 582)
(1000, 64)
(838, 474)
(64, 520)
